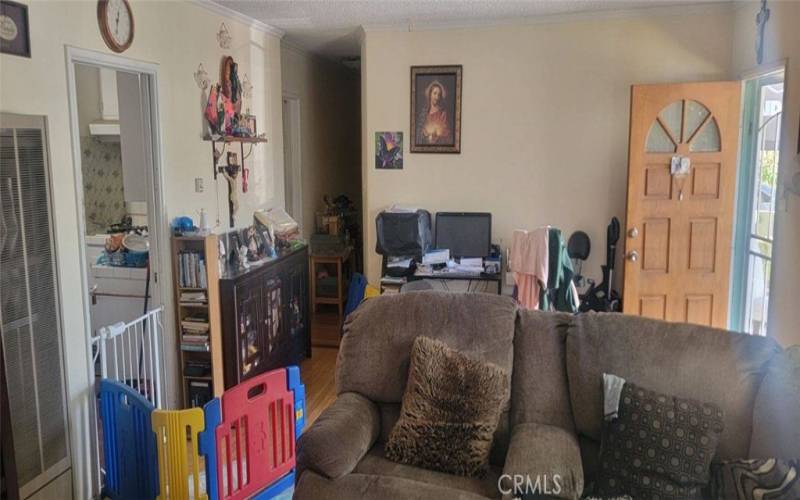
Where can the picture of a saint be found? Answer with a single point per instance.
(433, 126)
(436, 109)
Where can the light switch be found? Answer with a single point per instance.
(198, 185)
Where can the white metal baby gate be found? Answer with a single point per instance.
(130, 353)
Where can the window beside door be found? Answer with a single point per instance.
(757, 192)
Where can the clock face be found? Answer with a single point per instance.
(116, 23)
(119, 21)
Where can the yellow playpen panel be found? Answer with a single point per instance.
(177, 456)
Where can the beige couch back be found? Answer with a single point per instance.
(684, 360)
(557, 361)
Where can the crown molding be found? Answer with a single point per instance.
(632, 13)
(255, 24)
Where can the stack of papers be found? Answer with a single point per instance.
(436, 257)
(469, 266)
(193, 297)
(471, 262)
(399, 262)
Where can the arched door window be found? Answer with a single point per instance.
(683, 122)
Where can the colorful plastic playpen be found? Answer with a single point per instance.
(246, 439)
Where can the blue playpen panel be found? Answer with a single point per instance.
(207, 442)
(296, 385)
(129, 443)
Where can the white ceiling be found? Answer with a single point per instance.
(331, 27)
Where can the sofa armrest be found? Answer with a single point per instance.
(542, 460)
(340, 437)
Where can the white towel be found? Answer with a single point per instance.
(612, 390)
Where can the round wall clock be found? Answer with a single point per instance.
(116, 23)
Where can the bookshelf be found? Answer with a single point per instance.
(195, 265)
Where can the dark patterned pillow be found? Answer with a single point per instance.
(451, 407)
(767, 479)
(659, 446)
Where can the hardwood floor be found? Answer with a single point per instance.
(325, 327)
(318, 371)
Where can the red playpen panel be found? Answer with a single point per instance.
(255, 441)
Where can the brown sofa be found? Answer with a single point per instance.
(553, 419)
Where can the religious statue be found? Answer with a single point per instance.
(231, 172)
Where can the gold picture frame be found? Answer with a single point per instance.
(436, 109)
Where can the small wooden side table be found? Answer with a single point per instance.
(339, 259)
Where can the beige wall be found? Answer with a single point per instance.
(330, 120)
(177, 36)
(782, 42)
(545, 116)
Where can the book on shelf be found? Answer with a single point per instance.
(193, 297)
(197, 330)
(195, 325)
(199, 393)
(189, 338)
(194, 346)
(197, 368)
(192, 269)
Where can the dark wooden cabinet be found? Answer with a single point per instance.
(265, 323)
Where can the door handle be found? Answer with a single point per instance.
(632, 256)
(633, 232)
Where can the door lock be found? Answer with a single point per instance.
(632, 256)
(633, 232)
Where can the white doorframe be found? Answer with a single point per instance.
(158, 219)
(293, 167)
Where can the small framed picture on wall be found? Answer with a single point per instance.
(389, 150)
(14, 35)
(436, 109)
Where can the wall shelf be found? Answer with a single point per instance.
(231, 171)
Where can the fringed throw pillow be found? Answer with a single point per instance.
(451, 408)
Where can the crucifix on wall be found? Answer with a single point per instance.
(761, 22)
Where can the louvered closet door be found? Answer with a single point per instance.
(30, 325)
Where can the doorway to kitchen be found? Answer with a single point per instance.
(122, 230)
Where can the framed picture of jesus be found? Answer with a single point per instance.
(436, 109)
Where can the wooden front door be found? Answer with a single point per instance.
(679, 222)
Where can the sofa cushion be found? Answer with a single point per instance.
(542, 460)
(450, 410)
(539, 388)
(776, 417)
(312, 486)
(656, 445)
(684, 360)
(375, 462)
(375, 349)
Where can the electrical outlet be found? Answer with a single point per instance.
(198, 185)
